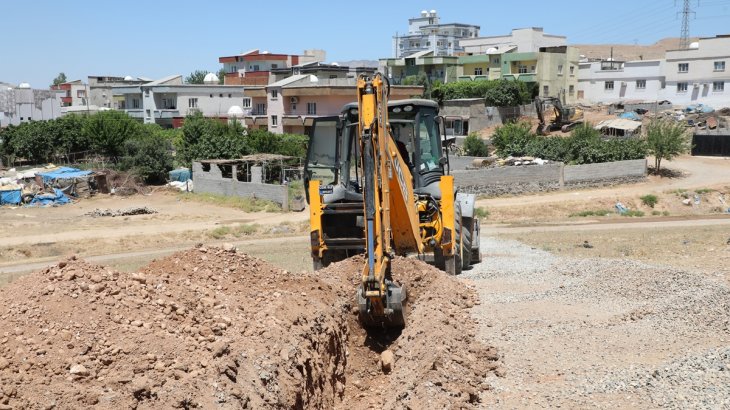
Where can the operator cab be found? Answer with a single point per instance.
(332, 157)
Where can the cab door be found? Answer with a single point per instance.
(323, 152)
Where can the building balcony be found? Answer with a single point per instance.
(524, 77)
(67, 100)
(135, 113)
(166, 113)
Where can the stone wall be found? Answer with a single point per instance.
(213, 182)
(605, 171)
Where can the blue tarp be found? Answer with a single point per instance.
(181, 175)
(63, 173)
(57, 198)
(630, 115)
(10, 197)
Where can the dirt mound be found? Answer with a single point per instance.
(212, 328)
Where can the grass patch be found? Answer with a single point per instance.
(236, 231)
(594, 212)
(481, 212)
(244, 204)
(704, 191)
(649, 200)
(633, 213)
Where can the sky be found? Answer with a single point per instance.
(158, 38)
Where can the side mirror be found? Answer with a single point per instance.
(443, 161)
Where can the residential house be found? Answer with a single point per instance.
(521, 39)
(434, 67)
(700, 74)
(613, 81)
(426, 33)
(320, 70)
(75, 93)
(100, 89)
(168, 101)
(254, 67)
(22, 104)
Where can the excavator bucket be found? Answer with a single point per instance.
(394, 315)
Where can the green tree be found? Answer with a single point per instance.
(196, 77)
(512, 139)
(475, 146)
(504, 94)
(148, 154)
(108, 130)
(221, 76)
(31, 141)
(60, 79)
(666, 140)
(207, 138)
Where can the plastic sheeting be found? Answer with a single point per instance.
(56, 198)
(182, 175)
(10, 197)
(63, 173)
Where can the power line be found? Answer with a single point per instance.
(684, 35)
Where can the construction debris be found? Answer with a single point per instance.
(121, 212)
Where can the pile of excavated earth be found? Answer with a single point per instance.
(214, 328)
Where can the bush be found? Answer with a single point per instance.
(599, 212)
(481, 212)
(512, 139)
(475, 146)
(486, 89)
(108, 131)
(649, 200)
(504, 94)
(148, 156)
(633, 213)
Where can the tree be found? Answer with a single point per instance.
(60, 79)
(504, 94)
(148, 154)
(666, 140)
(221, 76)
(108, 131)
(196, 77)
(207, 138)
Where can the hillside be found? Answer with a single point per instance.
(628, 52)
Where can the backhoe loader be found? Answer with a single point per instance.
(377, 183)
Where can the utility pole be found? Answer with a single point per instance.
(684, 35)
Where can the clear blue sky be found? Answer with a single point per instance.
(156, 38)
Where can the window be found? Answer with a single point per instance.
(192, 103)
(274, 94)
(719, 66)
(522, 69)
(571, 90)
(640, 84)
(220, 95)
(560, 69)
(718, 86)
(495, 61)
(233, 69)
(274, 65)
(229, 95)
(293, 107)
(572, 70)
(135, 103)
(168, 103)
(478, 71)
(246, 102)
(260, 109)
(311, 108)
(608, 86)
(274, 120)
(333, 76)
(683, 67)
(80, 93)
(681, 87)
(545, 90)
(148, 113)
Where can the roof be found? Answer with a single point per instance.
(289, 80)
(619, 123)
(420, 54)
(247, 158)
(164, 80)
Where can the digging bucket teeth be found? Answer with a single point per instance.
(394, 302)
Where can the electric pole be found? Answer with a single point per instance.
(684, 36)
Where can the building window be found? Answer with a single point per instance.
(495, 61)
(683, 67)
(640, 84)
(229, 95)
(311, 108)
(571, 90)
(274, 121)
(608, 86)
(572, 70)
(192, 103)
(260, 109)
(333, 76)
(274, 94)
(522, 69)
(274, 65)
(718, 86)
(246, 102)
(148, 113)
(293, 107)
(81, 93)
(719, 66)
(135, 103)
(168, 104)
(681, 87)
(545, 90)
(478, 71)
(560, 69)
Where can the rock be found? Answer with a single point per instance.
(229, 247)
(141, 387)
(387, 360)
(96, 278)
(220, 348)
(4, 363)
(79, 370)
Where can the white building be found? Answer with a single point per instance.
(22, 104)
(426, 33)
(168, 101)
(520, 40)
(613, 81)
(700, 74)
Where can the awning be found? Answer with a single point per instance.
(619, 124)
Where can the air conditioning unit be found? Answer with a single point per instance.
(293, 100)
(623, 83)
(696, 85)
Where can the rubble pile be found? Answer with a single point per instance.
(211, 327)
(141, 210)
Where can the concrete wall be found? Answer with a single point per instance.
(606, 170)
(212, 182)
(479, 116)
(18, 105)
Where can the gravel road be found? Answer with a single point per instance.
(581, 333)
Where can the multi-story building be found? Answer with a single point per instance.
(426, 33)
(434, 67)
(291, 105)
(700, 74)
(254, 67)
(168, 101)
(100, 89)
(320, 70)
(522, 40)
(613, 81)
(75, 93)
(22, 104)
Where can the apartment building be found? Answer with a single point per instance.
(101, 89)
(427, 33)
(614, 81)
(434, 67)
(168, 101)
(254, 67)
(75, 93)
(700, 74)
(19, 104)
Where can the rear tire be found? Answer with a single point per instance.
(467, 228)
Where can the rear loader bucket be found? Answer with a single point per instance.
(394, 316)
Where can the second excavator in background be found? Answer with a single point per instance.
(553, 115)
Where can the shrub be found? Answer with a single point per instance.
(481, 212)
(649, 200)
(148, 156)
(633, 213)
(512, 139)
(599, 212)
(475, 146)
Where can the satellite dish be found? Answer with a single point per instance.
(210, 78)
(694, 45)
(129, 78)
(24, 86)
(235, 111)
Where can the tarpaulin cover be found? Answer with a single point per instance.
(63, 173)
(181, 175)
(57, 198)
(10, 197)
(630, 116)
